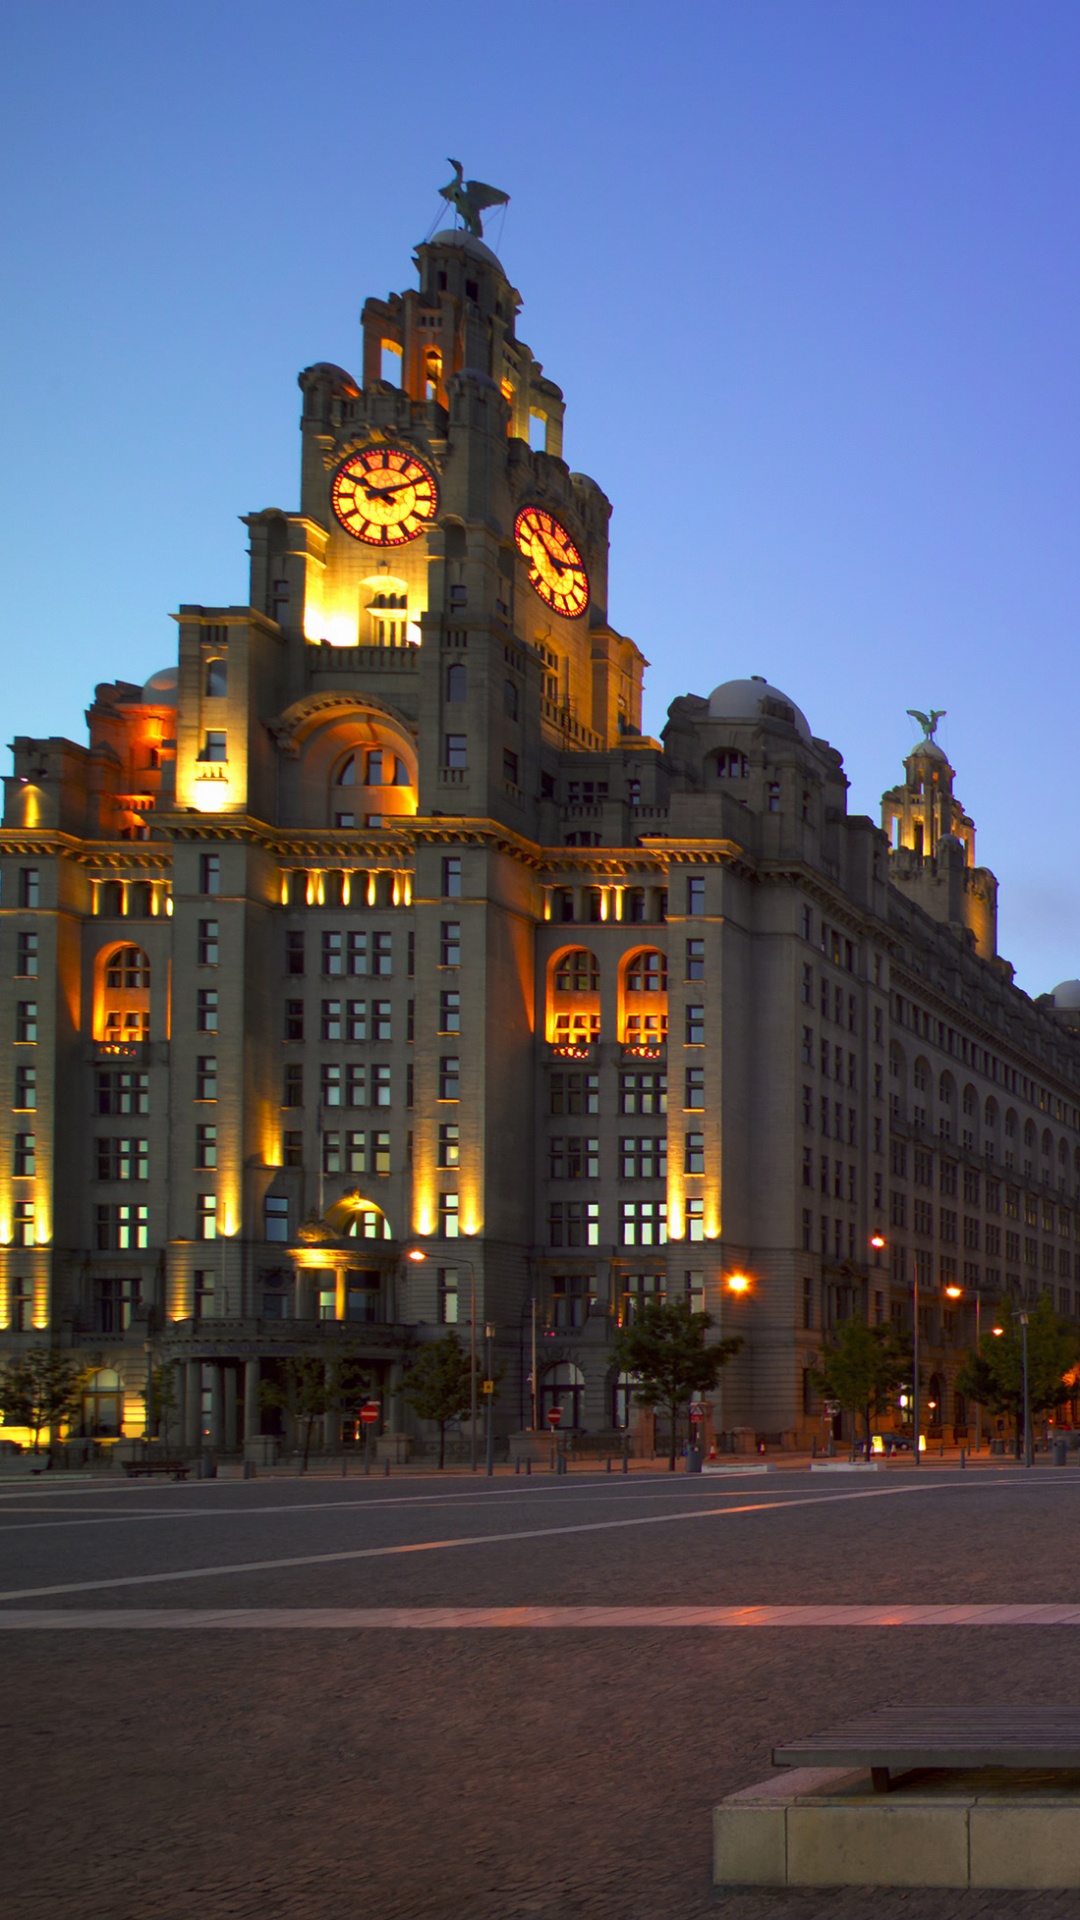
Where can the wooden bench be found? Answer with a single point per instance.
(897, 1739)
(179, 1469)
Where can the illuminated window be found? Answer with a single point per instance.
(24, 1157)
(450, 944)
(643, 1223)
(644, 1157)
(215, 746)
(643, 1093)
(450, 1011)
(694, 1153)
(207, 1010)
(22, 1226)
(449, 1210)
(695, 1089)
(210, 873)
(449, 1077)
(123, 1092)
(206, 1216)
(695, 1220)
(381, 1089)
(123, 1228)
(206, 1077)
(449, 1143)
(207, 950)
(27, 960)
(123, 1159)
(206, 1146)
(26, 1088)
(448, 1296)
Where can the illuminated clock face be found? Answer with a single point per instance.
(556, 569)
(385, 496)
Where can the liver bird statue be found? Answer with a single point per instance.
(927, 721)
(470, 197)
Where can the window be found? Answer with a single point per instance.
(695, 960)
(381, 1020)
(208, 943)
(23, 1161)
(449, 1143)
(774, 796)
(449, 1216)
(574, 1223)
(643, 1157)
(355, 1018)
(380, 1086)
(510, 699)
(206, 1216)
(123, 1159)
(29, 887)
(330, 1022)
(293, 1149)
(947, 1177)
(643, 1223)
(331, 1153)
(355, 1084)
(449, 1077)
(206, 1147)
(206, 1077)
(574, 1156)
(215, 747)
(643, 1093)
(457, 682)
(451, 877)
(121, 1092)
(450, 1011)
(647, 973)
(114, 1303)
(331, 1084)
(294, 953)
(382, 951)
(275, 1217)
(572, 1093)
(380, 1153)
(26, 1015)
(22, 1225)
(695, 1089)
(206, 1013)
(694, 1154)
(123, 1228)
(510, 767)
(695, 1026)
(26, 1088)
(450, 944)
(204, 1294)
(456, 750)
(695, 895)
(209, 873)
(448, 1296)
(27, 959)
(292, 1092)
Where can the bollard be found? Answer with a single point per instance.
(517, 1465)
(609, 1463)
(626, 1463)
(249, 1469)
(1060, 1453)
(386, 1470)
(528, 1466)
(813, 1446)
(963, 1458)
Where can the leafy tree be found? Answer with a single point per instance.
(862, 1369)
(309, 1388)
(665, 1347)
(994, 1374)
(438, 1385)
(42, 1388)
(163, 1401)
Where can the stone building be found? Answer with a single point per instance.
(376, 927)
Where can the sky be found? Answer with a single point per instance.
(806, 270)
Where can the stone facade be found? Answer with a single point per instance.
(377, 927)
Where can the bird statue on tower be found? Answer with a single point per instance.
(927, 721)
(470, 197)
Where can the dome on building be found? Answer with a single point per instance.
(754, 699)
(457, 237)
(928, 750)
(1066, 997)
(160, 690)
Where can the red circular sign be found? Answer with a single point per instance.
(369, 1412)
(554, 1416)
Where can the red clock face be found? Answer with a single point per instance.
(556, 569)
(384, 496)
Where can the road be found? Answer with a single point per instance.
(463, 1700)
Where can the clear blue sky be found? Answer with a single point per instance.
(807, 271)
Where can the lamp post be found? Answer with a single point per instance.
(1023, 1319)
(489, 1395)
(738, 1284)
(417, 1253)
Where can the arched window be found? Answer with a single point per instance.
(103, 1404)
(562, 1386)
(921, 1076)
(945, 1090)
(573, 1010)
(457, 682)
(217, 679)
(644, 1000)
(1029, 1133)
(122, 1011)
(346, 773)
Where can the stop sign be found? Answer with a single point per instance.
(369, 1412)
(554, 1416)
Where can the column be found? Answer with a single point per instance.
(340, 1296)
(252, 1402)
(193, 1404)
(232, 1437)
(216, 1423)
(331, 1420)
(174, 1425)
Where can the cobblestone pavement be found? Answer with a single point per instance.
(481, 1775)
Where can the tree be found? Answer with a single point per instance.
(163, 1401)
(994, 1373)
(664, 1346)
(309, 1388)
(438, 1385)
(42, 1388)
(861, 1370)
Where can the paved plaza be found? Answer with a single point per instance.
(424, 1699)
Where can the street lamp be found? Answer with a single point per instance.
(738, 1284)
(957, 1293)
(877, 1241)
(417, 1253)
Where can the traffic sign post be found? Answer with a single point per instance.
(369, 1414)
(554, 1415)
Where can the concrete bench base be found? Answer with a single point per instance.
(825, 1827)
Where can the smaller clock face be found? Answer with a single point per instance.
(385, 496)
(556, 569)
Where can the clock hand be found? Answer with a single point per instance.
(384, 493)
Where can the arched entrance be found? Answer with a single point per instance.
(562, 1386)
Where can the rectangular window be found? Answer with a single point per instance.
(695, 1026)
(451, 877)
(448, 1296)
(947, 1223)
(330, 1023)
(643, 1223)
(695, 1219)
(293, 1149)
(123, 1229)
(206, 1077)
(355, 1151)
(455, 750)
(380, 1086)
(643, 1157)
(122, 1159)
(331, 1153)
(208, 948)
(643, 1093)
(26, 1087)
(121, 1092)
(449, 1077)
(206, 1147)
(27, 960)
(808, 1303)
(695, 1089)
(694, 1153)
(380, 1153)
(26, 1021)
(355, 1084)
(293, 1087)
(450, 1011)
(695, 960)
(206, 1216)
(330, 1083)
(209, 873)
(29, 887)
(572, 1093)
(215, 745)
(947, 1176)
(23, 1225)
(510, 766)
(275, 1217)
(204, 1293)
(24, 1159)
(695, 895)
(574, 1223)
(574, 1156)
(381, 1020)
(206, 1010)
(449, 1143)
(450, 944)
(294, 953)
(382, 945)
(449, 1216)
